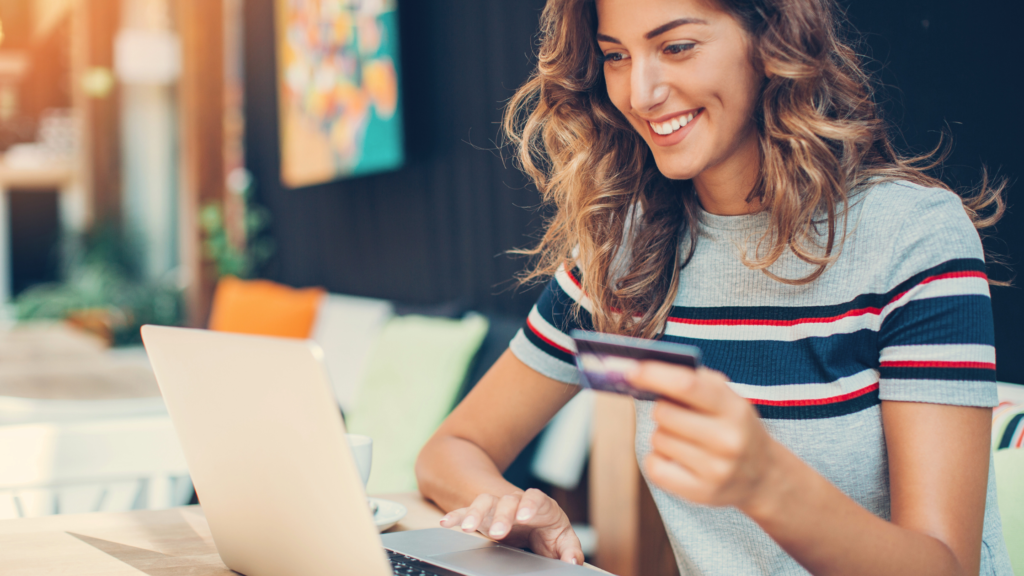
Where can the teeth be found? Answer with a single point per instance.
(666, 128)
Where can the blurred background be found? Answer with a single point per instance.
(151, 148)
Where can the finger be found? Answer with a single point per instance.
(697, 428)
(478, 511)
(454, 518)
(572, 557)
(673, 478)
(569, 549)
(533, 505)
(702, 389)
(504, 516)
(695, 459)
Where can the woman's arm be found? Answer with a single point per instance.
(460, 468)
(710, 448)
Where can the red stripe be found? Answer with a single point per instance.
(744, 322)
(546, 339)
(817, 401)
(946, 276)
(937, 364)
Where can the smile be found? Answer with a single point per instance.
(669, 126)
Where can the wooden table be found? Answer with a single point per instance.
(158, 543)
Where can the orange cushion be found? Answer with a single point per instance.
(264, 307)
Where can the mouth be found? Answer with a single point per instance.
(668, 126)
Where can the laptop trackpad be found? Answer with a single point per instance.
(498, 561)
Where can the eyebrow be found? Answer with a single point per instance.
(657, 31)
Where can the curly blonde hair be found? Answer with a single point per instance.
(820, 137)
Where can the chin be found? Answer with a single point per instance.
(675, 170)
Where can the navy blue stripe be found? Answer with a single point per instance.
(775, 362)
(1004, 442)
(965, 374)
(788, 313)
(945, 320)
(560, 310)
(547, 348)
(819, 411)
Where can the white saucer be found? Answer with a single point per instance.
(388, 513)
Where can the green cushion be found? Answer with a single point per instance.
(413, 376)
(1009, 466)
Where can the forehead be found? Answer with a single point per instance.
(629, 17)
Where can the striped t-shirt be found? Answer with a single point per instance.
(903, 314)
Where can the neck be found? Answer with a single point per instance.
(723, 188)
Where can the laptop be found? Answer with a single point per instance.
(266, 449)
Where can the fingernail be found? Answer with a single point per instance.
(497, 529)
(524, 514)
(468, 524)
(572, 561)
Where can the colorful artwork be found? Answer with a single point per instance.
(338, 89)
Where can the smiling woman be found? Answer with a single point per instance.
(720, 177)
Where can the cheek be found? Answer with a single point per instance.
(617, 86)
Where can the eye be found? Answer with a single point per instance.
(679, 48)
(612, 57)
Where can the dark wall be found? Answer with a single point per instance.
(956, 66)
(435, 231)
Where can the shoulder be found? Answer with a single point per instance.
(909, 204)
(918, 227)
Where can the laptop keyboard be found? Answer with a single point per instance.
(403, 565)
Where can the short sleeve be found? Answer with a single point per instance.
(936, 338)
(543, 343)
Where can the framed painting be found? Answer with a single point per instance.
(338, 88)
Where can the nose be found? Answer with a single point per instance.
(648, 86)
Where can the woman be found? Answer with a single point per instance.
(721, 178)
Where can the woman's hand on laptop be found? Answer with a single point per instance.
(522, 519)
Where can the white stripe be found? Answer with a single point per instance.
(548, 331)
(846, 325)
(940, 353)
(787, 392)
(939, 289)
(570, 288)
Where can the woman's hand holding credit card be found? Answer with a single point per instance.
(605, 360)
(709, 446)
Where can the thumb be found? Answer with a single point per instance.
(571, 553)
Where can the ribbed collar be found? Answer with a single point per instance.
(743, 222)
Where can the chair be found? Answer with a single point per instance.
(106, 465)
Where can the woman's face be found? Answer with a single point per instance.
(680, 71)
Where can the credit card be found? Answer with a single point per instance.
(604, 360)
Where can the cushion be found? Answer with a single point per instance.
(415, 370)
(1009, 465)
(264, 307)
(346, 328)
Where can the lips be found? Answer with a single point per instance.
(671, 129)
(670, 125)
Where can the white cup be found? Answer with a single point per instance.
(362, 451)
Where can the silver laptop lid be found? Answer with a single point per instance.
(261, 433)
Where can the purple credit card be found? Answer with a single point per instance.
(605, 359)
